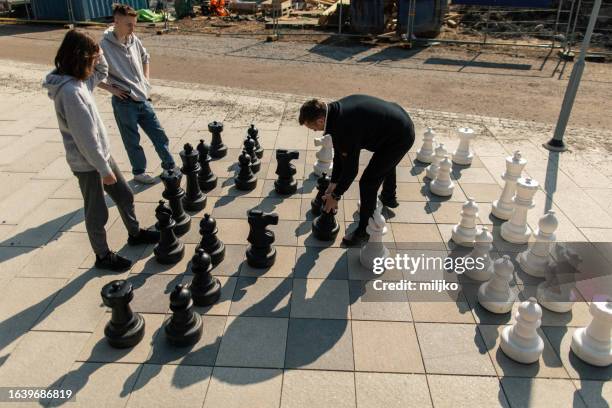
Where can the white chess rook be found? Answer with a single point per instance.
(375, 247)
(442, 185)
(516, 229)
(325, 156)
(464, 233)
(463, 155)
(426, 152)
(535, 259)
(592, 344)
(503, 207)
(496, 295)
(483, 243)
(521, 341)
(432, 170)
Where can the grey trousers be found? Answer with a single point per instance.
(96, 212)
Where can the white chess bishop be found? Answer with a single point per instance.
(516, 230)
(432, 170)
(464, 233)
(463, 155)
(521, 341)
(495, 295)
(325, 156)
(442, 185)
(535, 259)
(375, 247)
(426, 152)
(592, 344)
(503, 207)
(556, 293)
(483, 243)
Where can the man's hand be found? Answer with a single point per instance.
(118, 92)
(331, 204)
(331, 188)
(110, 179)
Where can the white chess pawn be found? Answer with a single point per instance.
(464, 233)
(495, 295)
(483, 265)
(535, 259)
(521, 341)
(377, 210)
(463, 155)
(432, 170)
(556, 293)
(375, 247)
(325, 156)
(592, 344)
(426, 152)
(516, 229)
(503, 207)
(442, 185)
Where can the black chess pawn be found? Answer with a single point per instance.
(184, 327)
(260, 253)
(286, 184)
(210, 243)
(254, 133)
(174, 194)
(194, 199)
(325, 227)
(249, 146)
(317, 202)
(169, 249)
(217, 148)
(245, 180)
(205, 288)
(206, 178)
(125, 328)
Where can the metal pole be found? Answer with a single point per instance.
(340, 19)
(555, 31)
(556, 143)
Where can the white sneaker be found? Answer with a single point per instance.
(144, 178)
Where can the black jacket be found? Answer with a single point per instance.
(363, 122)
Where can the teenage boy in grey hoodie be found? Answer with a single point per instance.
(128, 81)
(80, 66)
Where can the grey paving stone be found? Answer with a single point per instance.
(323, 299)
(152, 292)
(596, 394)
(304, 388)
(462, 391)
(535, 392)
(322, 263)
(266, 297)
(392, 390)
(368, 304)
(236, 387)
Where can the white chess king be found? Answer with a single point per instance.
(535, 259)
(593, 343)
(464, 233)
(325, 156)
(496, 295)
(432, 170)
(375, 247)
(426, 152)
(463, 155)
(503, 207)
(483, 243)
(516, 230)
(442, 185)
(521, 341)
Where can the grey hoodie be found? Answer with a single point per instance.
(85, 139)
(126, 64)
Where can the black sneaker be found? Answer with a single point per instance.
(113, 262)
(356, 237)
(389, 202)
(144, 237)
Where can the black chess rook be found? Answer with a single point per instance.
(285, 170)
(210, 242)
(217, 148)
(261, 253)
(169, 250)
(317, 202)
(249, 146)
(325, 227)
(194, 199)
(253, 132)
(205, 288)
(245, 180)
(125, 328)
(184, 327)
(206, 178)
(174, 194)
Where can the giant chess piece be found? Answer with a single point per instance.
(206, 178)
(464, 233)
(516, 229)
(125, 328)
(483, 270)
(245, 180)
(210, 243)
(169, 249)
(442, 185)
(504, 207)
(174, 194)
(593, 344)
(535, 259)
(205, 288)
(194, 199)
(325, 156)
(556, 293)
(253, 132)
(184, 327)
(375, 247)
(432, 170)
(463, 156)
(325, 227)
(496, 295)
(426, 152)
(249, 146)
(217, 148)
(260, 253)
(521, 341)
(285, 170)
(317, 202)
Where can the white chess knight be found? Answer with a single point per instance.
(503, 207)
(593, 344)
(325, 156)
(521, 341)
(535, 259)
(556, 293)
(483, 243)
(442, 185)
(463, 155)
(495, 295)
(375, 247)
(464, 233)
(432, 170)
(516, 230)
(426, 152)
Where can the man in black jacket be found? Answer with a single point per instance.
(362, 122)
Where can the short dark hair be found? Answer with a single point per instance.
(311, 110)
(124, 10)
(76, 54)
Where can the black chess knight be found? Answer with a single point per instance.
(217, 148)
(206, 178)
(285, 170)
(174, 194)
(260, 253)
(170, 249)
(325, 227)
(184, 327)
(205, 288)
(249, 146)
(210, 243)
(194, 199)
(125, 328)
(253, 132)
(245, 180)
(322, 185)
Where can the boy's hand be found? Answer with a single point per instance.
(118, 92)
(110, 179)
